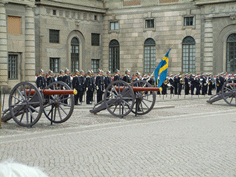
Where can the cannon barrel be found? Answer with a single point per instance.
(141, 89)
(53, 92)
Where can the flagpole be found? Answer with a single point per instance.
(154, 69)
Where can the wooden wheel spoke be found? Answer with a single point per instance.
(63, 110)
(123, 107)
(17, 98)
(22, 115)
(59, 113)
(55, 111)
(20, 94)
(145, 104)
(31, 116)
(31, 107)
(115, 108)
(114, 89)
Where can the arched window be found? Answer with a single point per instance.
(74, 54)
(231, 53)
(188, 55)
(114, 55)
(149, 55)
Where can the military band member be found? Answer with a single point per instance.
(50, 78)
(164, 87)
(171, 80)
(218, 82)
(100, 85)
(180, 85)
(60, 77)
(176, 83)
(41, 80)
(126, 77)
(117, 75)
(89, 85)
(211, 84)
(186, 84)
(192, 81)
(107, 79)
(66, 78)
(204, 84)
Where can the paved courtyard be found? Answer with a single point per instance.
(189, 138)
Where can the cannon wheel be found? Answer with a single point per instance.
(229, 92)
(58, 108)
(146, 100)
(119, 103)
(25, 109)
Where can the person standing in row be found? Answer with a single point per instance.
(50, 78)
(100, 85)
(89, 85)
(41, 80)
(126, 77)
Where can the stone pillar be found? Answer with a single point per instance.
(208, 46)
(3, 45)
(29, 45)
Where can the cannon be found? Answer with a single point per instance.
(228, 93)
(120, 98)
(27, 103)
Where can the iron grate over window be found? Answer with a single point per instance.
(54, 36)
(12, 66)
(95, 38)
(54, 64)
(95, 65)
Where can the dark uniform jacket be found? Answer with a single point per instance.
(100, 82)
(50, 79)
(107, 81)
(89, 83)
(117, 77)
(67, 80)
(78, 83)
(127, 79)
(41, 82)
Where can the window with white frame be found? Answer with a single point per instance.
(114, 25)
(188, 21)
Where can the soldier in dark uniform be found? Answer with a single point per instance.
(117, 75)
(192, 81)
(222, 81)
(176, 83)
(218, 82)
(186, 83)
(41, 80)
(66, 78)
(60, 77)
(180, 85)
(126, 77)
(171, 80)
(100, 85)
(78, 84)
(74, 84)
(89, 85)
(107, 79)
(164, 87)
(197, 85)
(50, 78)
(211, 84)
(204, 84)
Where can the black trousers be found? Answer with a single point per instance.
(89, 96)
(99, 95)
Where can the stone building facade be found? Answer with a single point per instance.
(115, 34)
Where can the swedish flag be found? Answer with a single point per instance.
(161, 70)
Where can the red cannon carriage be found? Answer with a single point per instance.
(121, 98)
(27, 103)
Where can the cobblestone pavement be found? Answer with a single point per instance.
(192, 139)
